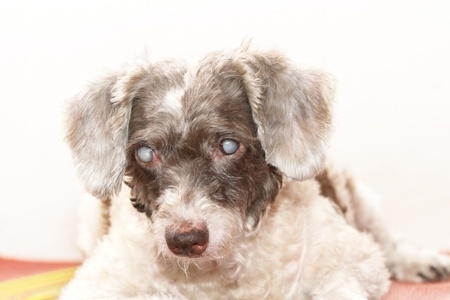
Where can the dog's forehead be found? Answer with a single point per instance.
(211, 84)
(207, 92)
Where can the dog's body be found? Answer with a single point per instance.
(206, 150)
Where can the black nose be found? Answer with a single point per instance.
(191, 243)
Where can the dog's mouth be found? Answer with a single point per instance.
(188, 240)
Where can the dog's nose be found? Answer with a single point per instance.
(191, 243)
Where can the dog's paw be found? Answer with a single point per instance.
(339, 294)
(410, 264)
(343, 294)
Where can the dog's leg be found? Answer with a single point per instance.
(344, 285)
(116, 271)
(403, 261)
(340, 262)
(110, 270)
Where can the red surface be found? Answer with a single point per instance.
(411, 291)
(10, 268)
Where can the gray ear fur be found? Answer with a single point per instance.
(292, 110)
(97, 132)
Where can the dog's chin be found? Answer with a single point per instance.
(191, 258)
(201, 261)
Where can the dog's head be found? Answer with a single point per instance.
(203, 146)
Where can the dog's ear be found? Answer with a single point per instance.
(291, 108)
(97, 131)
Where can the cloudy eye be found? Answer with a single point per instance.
(229, 147)
(145, 154)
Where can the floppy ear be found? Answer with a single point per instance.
(97, 132)
(292, 111)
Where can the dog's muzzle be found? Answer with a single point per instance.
(188, 240)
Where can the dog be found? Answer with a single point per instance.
(213, 183)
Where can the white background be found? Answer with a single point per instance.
(390, 59)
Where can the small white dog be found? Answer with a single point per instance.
(226, 194)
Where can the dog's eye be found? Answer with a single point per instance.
(145, 154)
(229, 147)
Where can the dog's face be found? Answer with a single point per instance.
(195, 165)
(203, 147)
